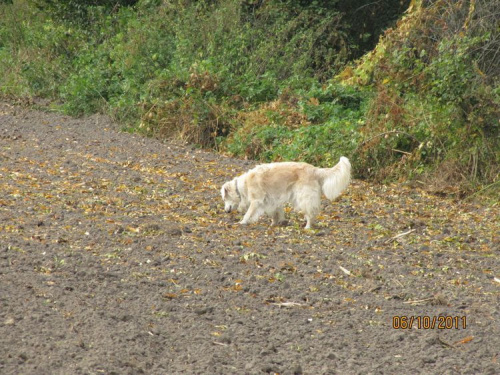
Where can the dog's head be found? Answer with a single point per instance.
(230, 195)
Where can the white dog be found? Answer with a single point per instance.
(266, 188)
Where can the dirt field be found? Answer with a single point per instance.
(116, 258)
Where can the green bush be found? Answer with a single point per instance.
(318, 127)
(436, 109)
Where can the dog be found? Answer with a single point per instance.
(266, 188)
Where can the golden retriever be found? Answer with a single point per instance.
(266, 188)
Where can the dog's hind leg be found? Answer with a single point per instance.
(279, 216)
(310, 221)
(309, 203)
(311, 211)
(253, 213)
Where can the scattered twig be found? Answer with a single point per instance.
(465, 340)
(400, 235)
(447, 344)
(399, 282)
(419, 301)
(401, 151)
(345, 270)
(496, 279)
(287, 304)
(219, 343)
(366, 5)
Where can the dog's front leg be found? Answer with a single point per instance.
(243, 206)
(252, 215)
(308, 224)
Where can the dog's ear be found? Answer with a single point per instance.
(226, 191)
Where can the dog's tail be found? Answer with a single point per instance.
(335, 180)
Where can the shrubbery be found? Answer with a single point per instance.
(256, 78)
(436, 108)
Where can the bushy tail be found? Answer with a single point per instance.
(335, 180)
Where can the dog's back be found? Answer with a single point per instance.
(277, 178)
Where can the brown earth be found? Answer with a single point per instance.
(116, 258)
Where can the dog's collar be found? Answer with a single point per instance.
(236, 188)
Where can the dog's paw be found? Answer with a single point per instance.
(282, 223)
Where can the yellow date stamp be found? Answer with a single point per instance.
(429, 322)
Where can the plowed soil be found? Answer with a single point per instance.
(116, 257)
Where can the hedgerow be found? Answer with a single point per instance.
(277, 80)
